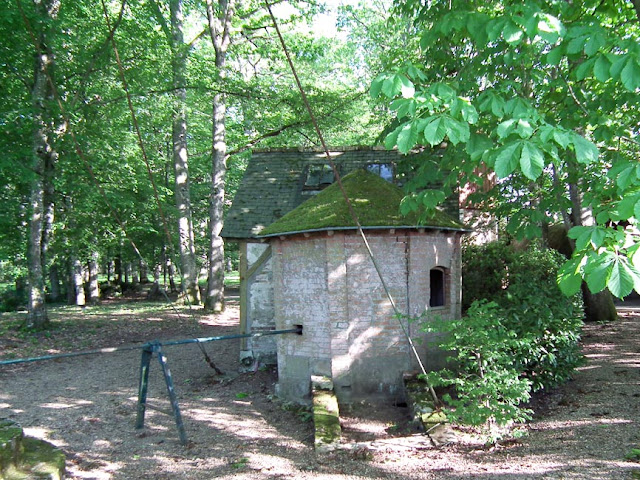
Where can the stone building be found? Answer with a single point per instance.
(303, 263)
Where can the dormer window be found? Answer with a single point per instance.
(319, 177)
(383, 170)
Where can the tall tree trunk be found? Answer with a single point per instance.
(43, 155)
(78, 282)
(219, 23)
(94, 287)
(117, 268)
(598, 307)
(54, 281)
(180, 157)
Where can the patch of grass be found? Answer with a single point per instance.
(240, 463)
(633, 455)
(232, 279)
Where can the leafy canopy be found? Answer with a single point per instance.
(544, 94)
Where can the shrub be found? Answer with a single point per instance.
(520, 333)
(488, 385)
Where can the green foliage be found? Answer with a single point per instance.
(546, 322)
(520, 333)
(489, 388)
(544, 94)
(633, 455)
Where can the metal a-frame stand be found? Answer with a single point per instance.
(147, 353)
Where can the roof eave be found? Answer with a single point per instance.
(380, 227)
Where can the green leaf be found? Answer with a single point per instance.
(492, 102)
(392, 85)
(507, 160)
(505, 128)
(524, 128)
(561, 138)
(626, 177)
(598, 236)
(575, 45)
(477, 146)
(595, 43)
(469, 114)
(435, 131)
(627, 206)
(518, 108)
(457, 131)
(407, 137)
(432, 198)
(550, 28)
(512, 33)
(586, 151)
(597, 271)
(407, 89)
(376, 85)
(554, 56)
(531, 160)
(584, 69)
(623, 278)
(602, 68)
(618, 65)
(391, 139)
(630, 74)
(569, 278)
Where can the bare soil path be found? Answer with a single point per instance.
(238, 429)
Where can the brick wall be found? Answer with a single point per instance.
(328, 284)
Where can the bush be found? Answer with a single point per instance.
(520, 333)
(488, 385)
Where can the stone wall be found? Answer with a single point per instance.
(329, 285)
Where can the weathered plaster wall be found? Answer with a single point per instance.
(259, 305)
(328, 284)
(300, 295)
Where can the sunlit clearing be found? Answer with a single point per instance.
(61, 406)
(245, 427)
(272, 465)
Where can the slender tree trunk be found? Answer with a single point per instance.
(43, 154)
(70, 282)
(78, 282)
(219, 23)
(54, 281)
(180, 157)
(94, 287)
(117, 268)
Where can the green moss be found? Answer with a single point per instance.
(10, 443)
(42, 459)
(326, 419)
(375, 201)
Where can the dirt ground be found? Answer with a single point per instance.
(238, 429)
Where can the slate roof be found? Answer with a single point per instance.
(374, 200)
(273, 184)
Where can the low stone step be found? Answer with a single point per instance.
(421, 403)
(10, 444)
(26, 458)
(326, 415)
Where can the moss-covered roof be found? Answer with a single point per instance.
(274, 184)
(375, 201)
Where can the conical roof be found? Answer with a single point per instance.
(375, 201)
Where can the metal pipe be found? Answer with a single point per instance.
(146, 345)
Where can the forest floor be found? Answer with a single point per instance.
(238, 429)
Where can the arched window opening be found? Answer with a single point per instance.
(436, 285)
